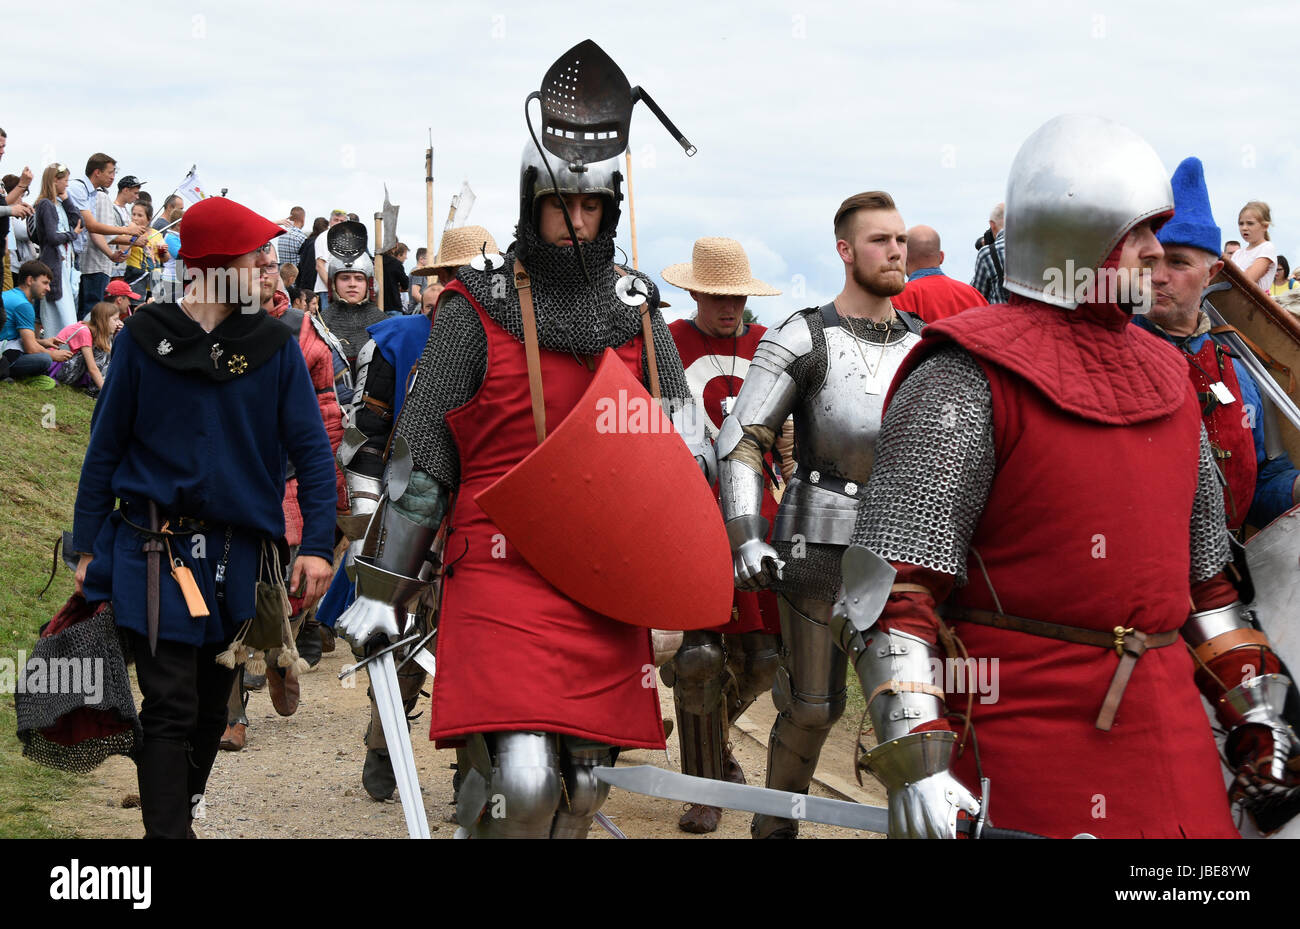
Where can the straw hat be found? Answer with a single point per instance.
(459, 245)
(718, 266)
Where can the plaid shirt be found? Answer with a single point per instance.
(289, 245)
(93, 261)
(987, 280)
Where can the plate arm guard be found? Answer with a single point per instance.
(392, 568)
(766, 398)
(897, 671)
(1240, 680)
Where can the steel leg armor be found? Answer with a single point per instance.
(531, 785)
(810, 695)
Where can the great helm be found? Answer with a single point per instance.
(346, 243)
(602, 178)
(1078, 185)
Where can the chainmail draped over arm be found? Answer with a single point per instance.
(672, 378)
(450, 372)
(1209, 536)
(935, 462)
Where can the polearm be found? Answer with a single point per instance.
(429, 244)
(379, 260)
(631, 206)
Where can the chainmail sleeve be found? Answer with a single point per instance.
(672, 378)
(1210, 546)
(809, 369)
(450, 372)
(935, 462)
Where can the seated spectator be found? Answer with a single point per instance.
(21, 353)
(122, 297)
(930, 293)
(91, 344)
(57, 225)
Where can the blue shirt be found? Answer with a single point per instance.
(19, 314)
(926, 272)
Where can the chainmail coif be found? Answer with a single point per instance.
(348, 322)
(572, 316)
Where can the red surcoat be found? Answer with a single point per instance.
(1096, 432)
(707, 361)
(513, 652)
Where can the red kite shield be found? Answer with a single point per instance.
(613, 511)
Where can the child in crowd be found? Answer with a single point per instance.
(91, 343)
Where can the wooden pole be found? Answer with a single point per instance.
(430, 246)
(631, 206)
(379, 260)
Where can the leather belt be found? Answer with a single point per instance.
(1129, 645)
(153, 548)
(832, 482)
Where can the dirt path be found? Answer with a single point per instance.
(301, 777)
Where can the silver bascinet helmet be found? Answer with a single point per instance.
(346, 243)
(602, 178)
(1078, 185)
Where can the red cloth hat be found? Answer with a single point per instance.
(216, 230)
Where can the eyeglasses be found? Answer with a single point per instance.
(265, 249)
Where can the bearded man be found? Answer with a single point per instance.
(829, 368)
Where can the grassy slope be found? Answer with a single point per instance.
(39, 467)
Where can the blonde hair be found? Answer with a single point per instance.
(1260, 209)
(100, 322)
(51, 174)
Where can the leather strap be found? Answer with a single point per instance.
(1264, 356)
(912, 687)
(381, 409)
(911, 589)
(1129, 644)
(1222, 644)
(525, 288)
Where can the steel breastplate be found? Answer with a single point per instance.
(835, 436)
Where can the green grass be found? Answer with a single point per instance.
(43, 435)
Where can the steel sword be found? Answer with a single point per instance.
(657, 782)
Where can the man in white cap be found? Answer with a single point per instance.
(717, 673)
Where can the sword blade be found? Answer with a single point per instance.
(656, 782)
(392, 715)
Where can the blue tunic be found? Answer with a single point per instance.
(207, 450)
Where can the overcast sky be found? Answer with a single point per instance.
(793, 107)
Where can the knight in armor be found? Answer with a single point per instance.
(536, 687)
(717, 673)
(385, 366)
(829, 368)
(342, 323)
(1258, 488)
(1043, 482)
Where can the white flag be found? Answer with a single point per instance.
(191, 189)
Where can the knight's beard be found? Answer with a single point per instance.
(878, 284)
